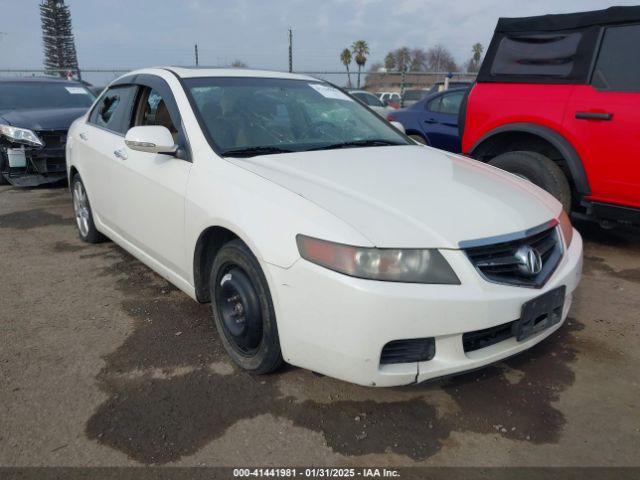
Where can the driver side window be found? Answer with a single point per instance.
(448, 103)
(152, 110)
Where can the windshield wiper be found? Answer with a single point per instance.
(357, 143)
(253, 151)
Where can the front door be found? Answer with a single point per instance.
(604, 119)
(153, 186)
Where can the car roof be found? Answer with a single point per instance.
(569, 21)
(193, 72)
(360, 91)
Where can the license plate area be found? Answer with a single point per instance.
(540, 313)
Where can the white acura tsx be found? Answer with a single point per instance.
(321, 234)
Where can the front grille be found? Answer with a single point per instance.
(54, 139)
(408, 351)
(503, 262)
(486, 337)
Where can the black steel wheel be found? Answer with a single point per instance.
(243, 311)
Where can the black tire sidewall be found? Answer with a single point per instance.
(268, 356)
(539, 170)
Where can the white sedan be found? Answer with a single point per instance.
(321, 234)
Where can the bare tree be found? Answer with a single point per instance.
(418, 60)
(440, 59)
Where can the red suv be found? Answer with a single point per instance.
(557, 101)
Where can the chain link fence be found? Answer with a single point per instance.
(379, 81)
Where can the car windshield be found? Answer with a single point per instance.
(249, 116)
(31, 95)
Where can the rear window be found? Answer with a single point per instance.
(618, 67)
(537, 55)
(32, 95)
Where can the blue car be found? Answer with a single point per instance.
(434, 119)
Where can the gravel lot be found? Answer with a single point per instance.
(102, 362)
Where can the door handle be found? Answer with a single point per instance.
(604, 116)
(83, 136)
(431, 120)
(120, 154)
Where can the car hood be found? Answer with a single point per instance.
(410, 196)
(42, 119)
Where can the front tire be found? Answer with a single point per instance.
(243, 310)
(539, 170)
(83, 214)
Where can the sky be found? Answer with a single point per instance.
(127, 34)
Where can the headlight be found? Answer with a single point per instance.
(21, 135)
(388, 264)
(566, 228)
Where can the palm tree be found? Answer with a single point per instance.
(477, 49)
(360, 50)
(345, 58)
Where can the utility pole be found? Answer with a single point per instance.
(290, 50)
(196, 51)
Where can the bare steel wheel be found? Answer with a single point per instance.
(82, 211)
(243, 310)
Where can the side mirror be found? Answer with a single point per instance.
(399, 126)
(151, 139)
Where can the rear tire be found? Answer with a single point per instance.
(243, 310)
(539, 170)
(83, 214)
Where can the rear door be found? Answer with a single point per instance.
(604, 118)
(440, 121)
(96, 143)
(152, 186)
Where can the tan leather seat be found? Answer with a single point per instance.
(164, 119)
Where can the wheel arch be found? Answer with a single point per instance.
(536, 138)
(209, 242)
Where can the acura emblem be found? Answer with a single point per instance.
(529, 260)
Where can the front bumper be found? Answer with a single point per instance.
(25, 166)
(338, 325)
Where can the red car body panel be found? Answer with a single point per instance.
(608, 149)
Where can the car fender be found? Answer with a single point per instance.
(264, 215)
(565, 148)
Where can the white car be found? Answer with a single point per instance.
(321, 235)
(371, 101)
(392, 97)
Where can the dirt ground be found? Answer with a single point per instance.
(104, 363)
